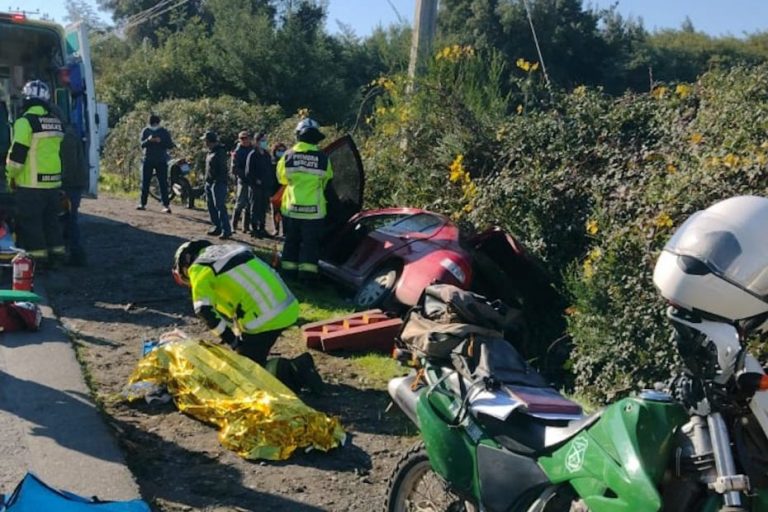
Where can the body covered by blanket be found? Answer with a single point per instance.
(258, 417)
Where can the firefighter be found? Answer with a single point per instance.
(34, 168)
(305, 171)
(245, 303)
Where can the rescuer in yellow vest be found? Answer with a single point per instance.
(305, 171)
(245, 303)
(34, 168)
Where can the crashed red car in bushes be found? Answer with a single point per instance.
(388, 256)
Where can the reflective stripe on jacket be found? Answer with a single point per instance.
(34, 160)
(304, 170)
(232, 288)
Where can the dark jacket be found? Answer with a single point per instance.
(240, 161)
(216, 164)
(260, 172)
(74, 169)
(156, 152)
(5, 134)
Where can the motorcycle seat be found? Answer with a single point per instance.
(528, 435)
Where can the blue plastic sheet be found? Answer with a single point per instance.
(34, 495)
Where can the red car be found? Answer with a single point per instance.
(389, 256)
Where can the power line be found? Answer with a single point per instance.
(536, 40)
(154, 14)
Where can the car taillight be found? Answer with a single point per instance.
(18, 17)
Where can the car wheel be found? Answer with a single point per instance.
(377, 288)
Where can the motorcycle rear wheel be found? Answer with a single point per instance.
(415, 487)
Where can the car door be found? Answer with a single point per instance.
(345, 191)
(88, 116)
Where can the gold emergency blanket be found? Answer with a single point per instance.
(258, 417)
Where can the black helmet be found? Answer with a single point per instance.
(185, 255)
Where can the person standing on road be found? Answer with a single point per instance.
(74, 181)
(155, 142)
(278, 150)
(260, 176)
(74, 177)
(243, 195)
(245, 303)
(305, 171)
(216, 186)
(34, 169)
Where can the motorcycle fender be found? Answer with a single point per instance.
(451, 450)
(617, 463)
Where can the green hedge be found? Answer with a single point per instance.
(187, 120)
(592, 184)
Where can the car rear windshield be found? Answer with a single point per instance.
(420, 223)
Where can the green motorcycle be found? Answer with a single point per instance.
(696, 444)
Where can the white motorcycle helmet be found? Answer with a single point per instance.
(717, 261)
(36, 89)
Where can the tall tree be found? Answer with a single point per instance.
(80, 10)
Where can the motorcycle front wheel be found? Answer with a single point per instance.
(154, 189)
(414, 486)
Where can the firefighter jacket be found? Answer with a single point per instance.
(235, 292)
(305, 171)
(34, 160)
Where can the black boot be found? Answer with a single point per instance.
(306, 373)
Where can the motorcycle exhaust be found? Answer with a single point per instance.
(405, 398)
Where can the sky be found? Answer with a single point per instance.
(715, 17)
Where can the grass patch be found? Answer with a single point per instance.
(118, 185)
(379, 368)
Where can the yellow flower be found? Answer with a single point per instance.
(457, 169)
(671, 169)
(663, 220)
(592, 227)
(683, 90)
(659, 92)
(580, 91)
(730, 160)
(534, 66)
(696, 138)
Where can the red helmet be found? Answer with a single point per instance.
(185, 255)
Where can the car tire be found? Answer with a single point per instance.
(377, 289)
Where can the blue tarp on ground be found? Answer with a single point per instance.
(34, 495)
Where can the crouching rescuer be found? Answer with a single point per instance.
(34, 167)
(246, 304)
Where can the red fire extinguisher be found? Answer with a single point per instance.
(23, 272)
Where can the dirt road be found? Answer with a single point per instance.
(126, 295)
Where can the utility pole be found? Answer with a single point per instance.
(424, 25)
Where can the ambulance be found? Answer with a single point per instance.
(42, 50)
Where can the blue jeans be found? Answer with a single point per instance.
(216, 196)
